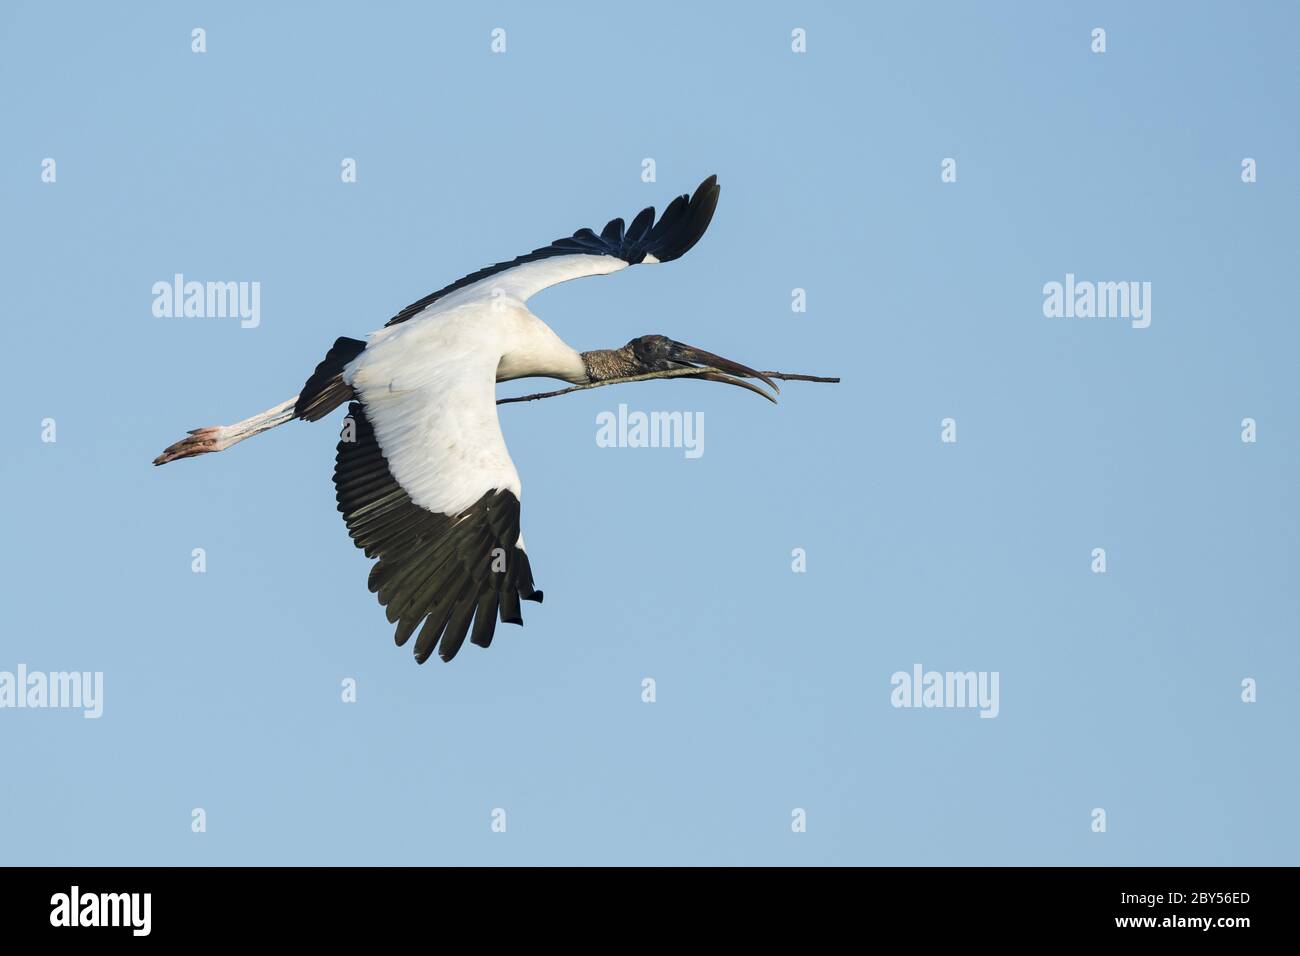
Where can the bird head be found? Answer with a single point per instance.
(648, 354)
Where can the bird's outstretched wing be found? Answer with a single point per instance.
(426, 485)
(586, 253)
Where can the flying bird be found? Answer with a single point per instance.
(423, 478)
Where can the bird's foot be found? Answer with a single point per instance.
(200, 441)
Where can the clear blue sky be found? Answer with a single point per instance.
(222, 690)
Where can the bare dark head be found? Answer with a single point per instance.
(648, 354)
(653, 353)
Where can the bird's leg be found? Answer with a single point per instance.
(201, 441)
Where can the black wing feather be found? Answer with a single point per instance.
(678, 229)
(436, 573)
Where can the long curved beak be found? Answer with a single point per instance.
(728, 372)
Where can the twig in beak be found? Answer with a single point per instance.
(671, 373)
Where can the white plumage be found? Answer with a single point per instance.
(429, 388)
(428, 384)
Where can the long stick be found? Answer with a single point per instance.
(671, 373)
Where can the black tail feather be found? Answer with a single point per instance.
(326, 390)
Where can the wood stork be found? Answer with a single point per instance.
(423, 478)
